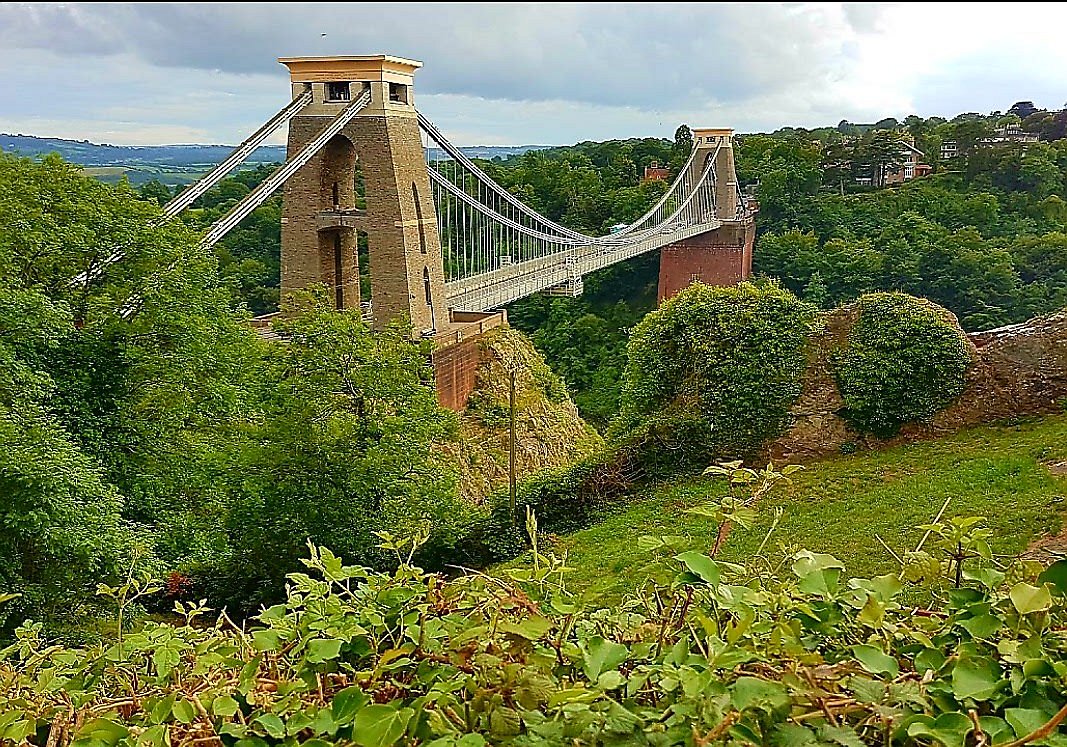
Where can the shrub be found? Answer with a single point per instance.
(565, 499)
(726, 654)
(713, 372)
(904, 361)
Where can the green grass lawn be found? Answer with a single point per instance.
(837, 506)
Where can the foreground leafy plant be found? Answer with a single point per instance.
(723, 654)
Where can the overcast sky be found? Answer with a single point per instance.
(520, 74)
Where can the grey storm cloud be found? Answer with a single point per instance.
(670, 55)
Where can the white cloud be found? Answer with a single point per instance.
(526, 73)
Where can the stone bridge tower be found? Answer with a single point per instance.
(321, 220)
(722, 256)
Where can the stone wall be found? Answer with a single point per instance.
(719, 257)
(406, 270)
(1017, 370)
(456, 372)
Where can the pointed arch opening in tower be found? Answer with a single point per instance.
(418, 217)
(338, 260)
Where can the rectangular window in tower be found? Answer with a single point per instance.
(338, 91)
(398, 93)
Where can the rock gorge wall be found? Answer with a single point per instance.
(1016, 370)
(550, 432)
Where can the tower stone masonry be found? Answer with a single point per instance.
(321, 221)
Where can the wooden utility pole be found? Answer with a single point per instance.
(511, 449)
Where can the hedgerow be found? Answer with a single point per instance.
(903, 362)
(781, 651)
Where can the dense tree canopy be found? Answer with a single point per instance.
(145, 424)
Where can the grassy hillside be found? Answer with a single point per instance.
(838, 506)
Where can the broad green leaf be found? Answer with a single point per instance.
(1035, 668)
(1028, 599)
(700, 565)
(165, 658)
(982, 626)
(153, 736)
(601, 656)
(530, 629)
(928, 658)
(977, 678)
(793, 735)
(533, 691)
(102, 731)
(818, 573)
(275, 612)
(323, 649)
(883, 587)
(876, 661)
(1056, 576)
(873, 612)
(380, 725)
(17, 731)
(867, 690)
(323, 723)
(610, 680)
(841, 735)
(1025, 721)
(950, 729)
(504, 722)
(618, 720)
(808, 562)
(990, 578)
(251, 741)
(266, 640)
(271, 724)
(749, 692)
(161, 711)
(224, 705)
(996, 728)
(573, 695)
(346, 704)
(184, 711)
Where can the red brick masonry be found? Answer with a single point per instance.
(719, 257)
(456, 370)
(458, 354)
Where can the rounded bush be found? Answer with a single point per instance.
(904, 362)
(714, 371)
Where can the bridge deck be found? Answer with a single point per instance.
(512, 282)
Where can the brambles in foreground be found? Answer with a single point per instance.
(781, 650)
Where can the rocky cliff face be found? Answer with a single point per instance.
(550, 432)
(1015, 370)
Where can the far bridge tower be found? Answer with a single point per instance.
(722, 256)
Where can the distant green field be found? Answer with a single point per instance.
(169, 175)
(837, 506)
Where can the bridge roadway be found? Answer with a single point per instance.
(509, 283)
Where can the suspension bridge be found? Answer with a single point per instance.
(447, 245)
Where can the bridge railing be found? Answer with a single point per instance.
(484, 228)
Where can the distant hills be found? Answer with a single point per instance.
(176, 164)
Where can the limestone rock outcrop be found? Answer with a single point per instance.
(1017, 370)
